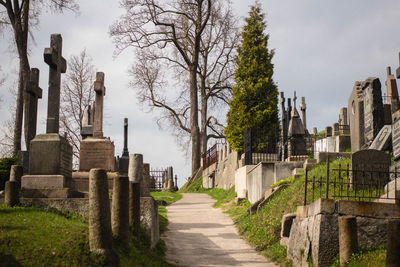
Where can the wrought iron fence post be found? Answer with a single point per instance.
(327, 178)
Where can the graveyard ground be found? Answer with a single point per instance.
(44, 237)
(262, 230)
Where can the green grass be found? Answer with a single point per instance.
(169, 197)
(32, 236)
(366, 257)
(195, 187)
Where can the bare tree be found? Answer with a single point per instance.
(170, 38)
(20, 15)
(77, 93)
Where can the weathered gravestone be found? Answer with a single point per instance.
(50, 164)
(370, 168)
(335, 128)
(97, 151)
(303, 108)
(373, 109)
(344, 128)
(356, 115)
(396, 139)
(382, 140)
(328, 131)
(391, 91)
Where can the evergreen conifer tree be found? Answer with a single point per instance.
(255, 95)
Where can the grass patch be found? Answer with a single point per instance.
(32, 236)
(195, 187)
(366, 257)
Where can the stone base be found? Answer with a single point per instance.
(51, 193)
(80, 180)
(96, 153)
(50, 154)
(44, 182)
(149, 219)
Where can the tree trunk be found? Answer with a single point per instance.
(203, 113)
(194, 120)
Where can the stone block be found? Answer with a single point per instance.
(321, 206)
(343, 142)
(259, 179)
(241, 181)
(50, 193)
(50, 154)
(44, 182)
(149, 219)
(301, 212)
(287, 221)
(96, 153)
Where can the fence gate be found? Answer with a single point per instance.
(158, 177)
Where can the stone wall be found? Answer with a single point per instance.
(314, 231)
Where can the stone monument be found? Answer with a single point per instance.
(391, 91)
(373, 109)
(356, 115)
(97, 151)
(398, 70)
(296, 133)
(303, 108)
(344, 128)
(50, 164)
(123, 161)
(87, 122)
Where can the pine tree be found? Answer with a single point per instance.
(255, 95)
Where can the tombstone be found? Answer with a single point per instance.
(391, 91)
(356, 116)
(87, 127)
(50, 155)
(370, 168)
(344, 128)
(382, 140)
(123, 162)
(120, 209)
(335, 128)
(328, 131)
(135, 172)
(303, 112)
(396, 139)
(145, 181)
(97, 151)
(176, 183)
(296, 136)
(34, 92)
(149, 219)
(373, 109)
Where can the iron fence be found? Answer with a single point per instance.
(157, 179)
(210, 156)
(348, 184)
(260, 145)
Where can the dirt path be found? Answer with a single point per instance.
(200, 235)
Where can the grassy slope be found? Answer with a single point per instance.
(262, 230)
(40, 237)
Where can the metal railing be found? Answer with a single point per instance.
(210, 156)
(157, 179)
(348, 184)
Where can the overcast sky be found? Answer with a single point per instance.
(321, 48)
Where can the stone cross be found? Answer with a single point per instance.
(294, 99)
(125, 152)
(53, 57)
(398, 69)
(289, 109)
(98, 115)
(303, 108)
(34, 92)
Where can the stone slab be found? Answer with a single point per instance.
(241, 181)
(382, 140)
(50, 193)
(343, 143)
(149, 219)
(80, 180)
(321, 206)
(368, 209)
(96, 153)
(396, 139)
(43, 182)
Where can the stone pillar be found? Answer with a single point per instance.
(100, 238)
(328, 131)
(348, 242)
(134, 206)
(391, 91)
(145, 185)
(393, 243)
(11, 193)
(149, 219)
(135, 171)
(335, 127)
(16, 173)
(123, 162)
(303, 108)
(120, 209)
(100, 90)
(315, 131)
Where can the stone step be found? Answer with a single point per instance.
(51, 193)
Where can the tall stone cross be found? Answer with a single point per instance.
(125, 152)
(303, 108)
(53, 57)
(99, 104)
(294, 100)
(34, 92)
